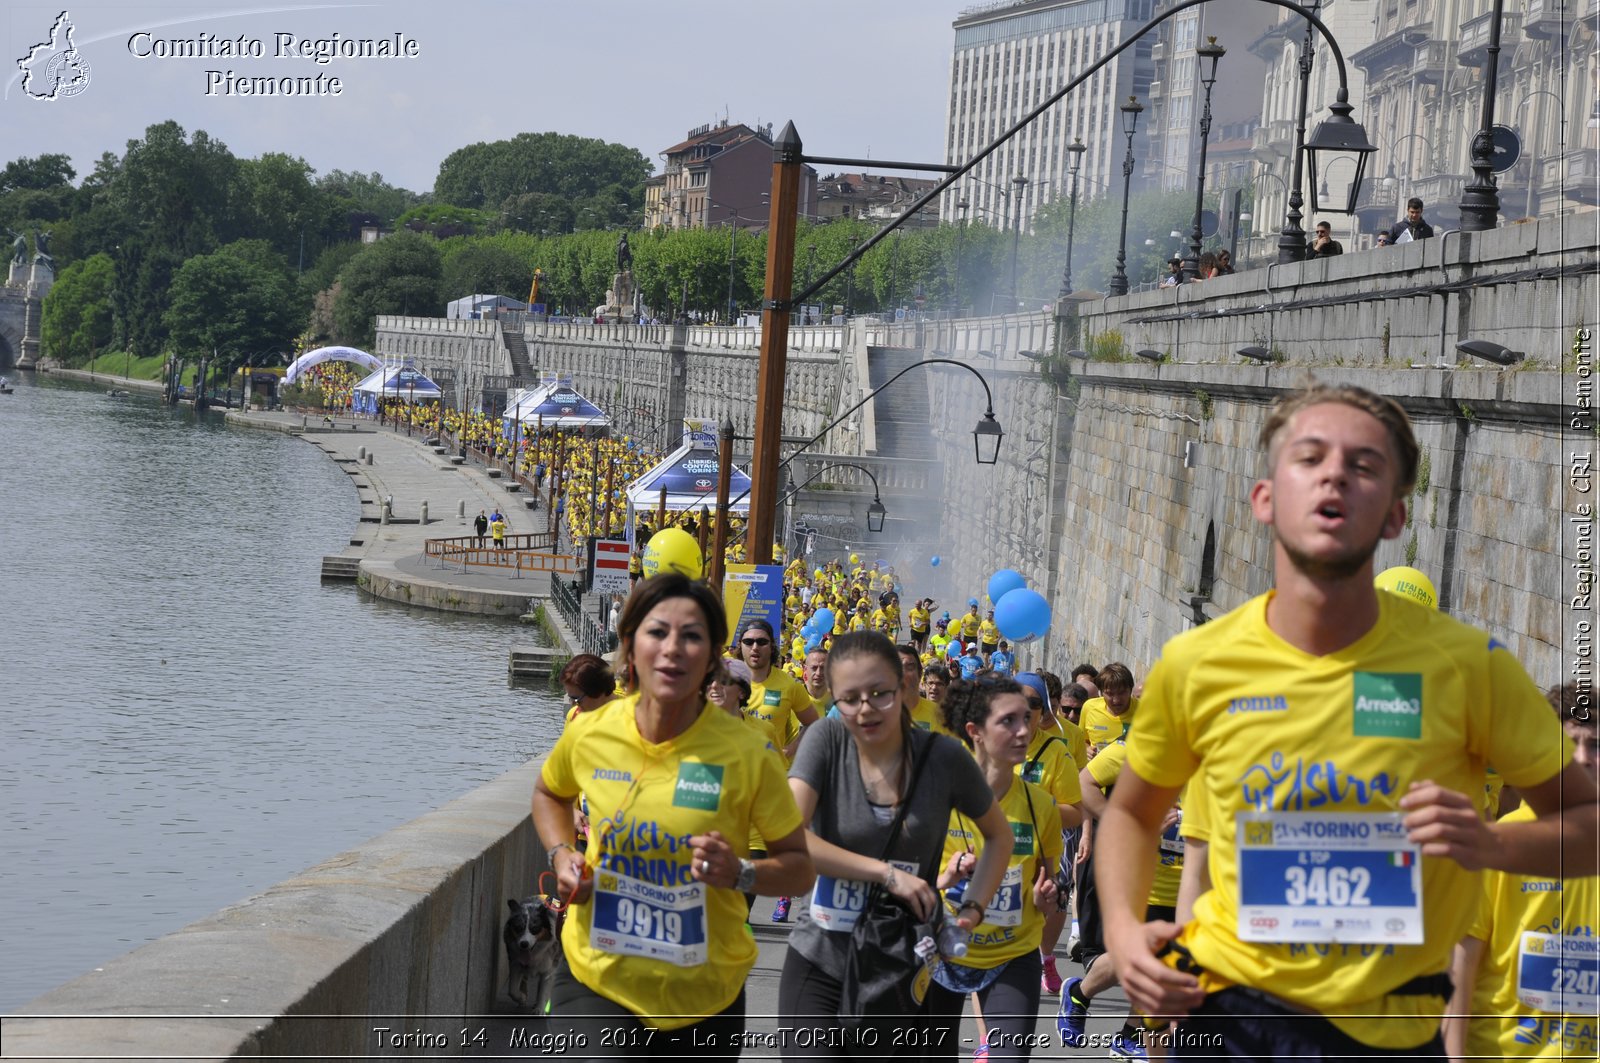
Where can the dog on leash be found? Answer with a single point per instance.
(533, 945)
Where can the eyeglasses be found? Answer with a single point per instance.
(755, 642)
(878, 699)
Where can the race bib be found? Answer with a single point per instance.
(632, 917)
(1172, 839)
(1005, 908)
(836, 903)
(1339, 877)
(1558, 973)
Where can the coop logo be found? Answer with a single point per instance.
(54, 69)
(1263, 922)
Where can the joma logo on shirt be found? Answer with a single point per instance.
(1265, 703)
(612, 775)
(1387, 705)
(699, 786)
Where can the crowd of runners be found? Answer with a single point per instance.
(1334, 823)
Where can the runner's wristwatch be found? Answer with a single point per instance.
(746, 882)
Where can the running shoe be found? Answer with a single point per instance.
(1072, 1015)
(1052, 978)
(980, 1054)
(780, 911)
(1127, 1047)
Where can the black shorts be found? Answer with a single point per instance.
(1239, 1023)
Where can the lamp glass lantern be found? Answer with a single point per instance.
(986, 439)
(1339, 141)
(1130, 115)
(875, 515)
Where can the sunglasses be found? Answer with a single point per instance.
(755, 642)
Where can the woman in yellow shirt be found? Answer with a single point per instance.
(656, 949)
(1002, 964)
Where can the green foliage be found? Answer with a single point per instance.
(1424, 472)
(42, 171)
(366, 193)
(1108, 346)
(76, 319)
(474, 266)
(398, 275)
(574, 168)
(1207, 406)
(241, 303)
(1411, 547)
(442, 220)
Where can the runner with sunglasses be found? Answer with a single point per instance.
(776, 697)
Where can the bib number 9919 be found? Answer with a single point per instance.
(648, 921)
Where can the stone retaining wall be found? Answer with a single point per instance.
(405, 925)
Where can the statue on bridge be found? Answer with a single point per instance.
(19, 248)
(41, 250)
(624, 255)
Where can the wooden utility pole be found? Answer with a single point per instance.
(786, 167)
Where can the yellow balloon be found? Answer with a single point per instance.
(1408, 583)
(673, 550)
(854, 560)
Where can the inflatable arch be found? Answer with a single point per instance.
(330, 354)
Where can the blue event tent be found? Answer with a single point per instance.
(553, 404)
(690, 476)
(395, 381)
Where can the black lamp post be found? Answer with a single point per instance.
(1213, 51)
(1480, 200)
(1021, 183)
(1130, 124)
(1076, 150)
(811, 257)
(1292, 239)
(961, 228)
(733, 231)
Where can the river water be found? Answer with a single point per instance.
(187, 715)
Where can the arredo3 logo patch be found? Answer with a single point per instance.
(1387, 705)
(699, 786)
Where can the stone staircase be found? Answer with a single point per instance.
(901, 412)
(341, 568)
(517, 348)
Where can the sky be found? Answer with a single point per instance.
(859, 78)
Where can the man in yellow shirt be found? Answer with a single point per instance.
(921, 623)
(1526, 975)
(1108, 717)
(969, 623)
(1342, 734)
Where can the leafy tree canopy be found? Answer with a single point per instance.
(558, 164)
(397, 275)
(76, 319)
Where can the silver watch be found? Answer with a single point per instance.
(746, 882)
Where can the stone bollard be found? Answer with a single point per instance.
(423, 516)
(388, 509)
(369, 459)
(305, 420)
(461, 511)
(361, 453)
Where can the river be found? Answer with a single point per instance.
(187, 715)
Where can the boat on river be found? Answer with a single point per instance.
(6, 387)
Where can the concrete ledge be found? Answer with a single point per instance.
(407, 924)
(383, 580)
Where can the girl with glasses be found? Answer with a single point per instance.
(850, 779)
(656, 952)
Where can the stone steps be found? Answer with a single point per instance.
(340, 568)
(534, 661)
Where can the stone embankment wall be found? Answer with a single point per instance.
(405, 925)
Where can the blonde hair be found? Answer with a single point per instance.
(1388, 412)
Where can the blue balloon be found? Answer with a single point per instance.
(813, 642)
(809, 628)
(825, 618)
(1022, 615)
(934, 561)
(1003, 583)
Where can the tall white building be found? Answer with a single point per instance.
(1011, 56)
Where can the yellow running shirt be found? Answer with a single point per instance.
(1011, 925)
(919, 620)
(1267, 728)
(1100, 726)
(989, 632)
(1050, 765)
(1517, 1012)
(1104, 767)
(773, 702)
(969, 625)
(645, 801)
(928, 716)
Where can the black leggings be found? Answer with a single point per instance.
(808, 1010)
(601, 1029)
(1010, 1010)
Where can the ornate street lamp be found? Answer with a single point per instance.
(1075, 150)
(1213, 51)
(1338, 138)
(1480, 200)
(961, 228)
(1130, 123)
(1292, 239)
(1021, 183)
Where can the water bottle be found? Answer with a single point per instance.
(952, 939)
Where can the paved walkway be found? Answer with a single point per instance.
(507, 1036)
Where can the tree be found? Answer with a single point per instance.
(571, 167)
(240, 302)
(476, 266)
(367, 193)
(76, 320)
(43, 171)
(398, 275)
